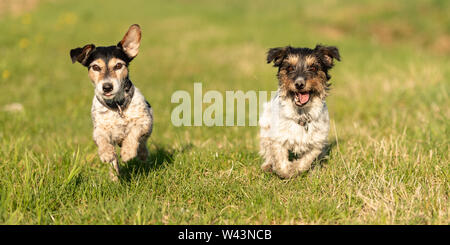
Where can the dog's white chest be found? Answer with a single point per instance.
(300, 138)
(117, 126)
(282, 125)
(111, 122)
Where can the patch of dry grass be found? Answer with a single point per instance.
(16, 7)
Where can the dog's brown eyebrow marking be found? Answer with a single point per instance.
(94, 75)
(292, 59)
(113, 61)
(112, 73)
(309, 60)
(98, 62)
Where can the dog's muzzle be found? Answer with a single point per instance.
(107, 87)
(301, 98)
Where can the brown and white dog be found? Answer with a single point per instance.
(120, 113)
(294, 125)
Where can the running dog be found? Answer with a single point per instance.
(120, 113)
(294, 125)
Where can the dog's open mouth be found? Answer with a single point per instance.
(301, 98)
(107, 94)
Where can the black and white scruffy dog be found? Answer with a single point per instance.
(120, 113)
(295, 123)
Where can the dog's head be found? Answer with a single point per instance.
(303, 72)
(108, 66)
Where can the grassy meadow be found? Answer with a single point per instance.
(389, 109)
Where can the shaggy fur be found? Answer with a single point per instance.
(120, 113)
(294, 125)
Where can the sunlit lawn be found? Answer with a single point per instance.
(389, 109)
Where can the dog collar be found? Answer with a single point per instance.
(304, 121)
(303, 124)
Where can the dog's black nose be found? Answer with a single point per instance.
(107, 87)
(300, 83)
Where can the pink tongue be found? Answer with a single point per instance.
(304, 98)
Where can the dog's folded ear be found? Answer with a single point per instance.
(277, 55)
(81, 54)
(327, 54)
(131, 41)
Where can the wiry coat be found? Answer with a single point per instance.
(120, 113)
(281, 134)
(295, 123)
(129, 128)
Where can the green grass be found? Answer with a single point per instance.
(389, 109)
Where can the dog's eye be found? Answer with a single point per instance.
(118, 66)
(313, 69)
(96, 68)
(290, 68)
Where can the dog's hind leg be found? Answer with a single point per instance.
(142, 149)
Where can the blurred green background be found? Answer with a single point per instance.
(389, 107)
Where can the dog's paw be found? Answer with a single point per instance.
(107, 156)
(127, 155)
(285, 174)
(284, 171)
(113, 176)
(266, 167)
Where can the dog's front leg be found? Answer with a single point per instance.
(130, 144)
(106, 152)
(304, 162)
(281, 164)
(266, 153)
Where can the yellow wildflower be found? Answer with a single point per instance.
(26, 19)
(23, 43)
(5, 74)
